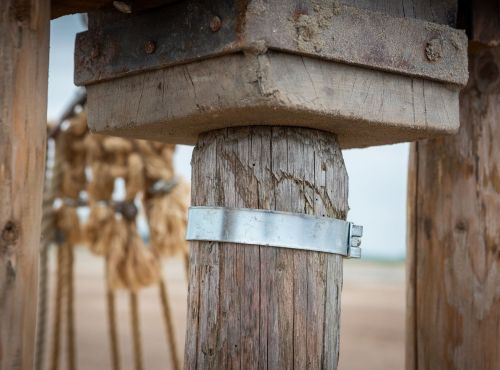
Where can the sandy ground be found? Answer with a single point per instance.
(372, 326)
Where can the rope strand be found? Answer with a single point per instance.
(70, 314)
(113, 327)
(56, 335)
(169, 327)
(52, 182)
(136, 330)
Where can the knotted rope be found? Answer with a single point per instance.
(52, 184)
(94, 163)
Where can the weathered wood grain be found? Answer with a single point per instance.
(363, 107)
(24, 47)
(252, 307)
(438, 11)
(453, 319)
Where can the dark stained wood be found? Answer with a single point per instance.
(252, 307)
(454, 234)
(486, 22)
(439, 11)
(65, 7)
(24, 48)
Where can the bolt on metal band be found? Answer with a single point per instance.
(274, 229)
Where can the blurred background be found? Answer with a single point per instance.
(373, 300)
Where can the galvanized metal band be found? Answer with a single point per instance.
(192, 30)
(274, 229)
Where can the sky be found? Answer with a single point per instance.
(377, 175)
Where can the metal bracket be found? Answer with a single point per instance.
(274, 229)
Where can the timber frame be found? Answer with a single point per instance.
(24, 86)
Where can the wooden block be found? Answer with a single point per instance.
(363, 107)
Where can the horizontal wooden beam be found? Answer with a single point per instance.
(65, 7)
(193, 30)
(363, 107)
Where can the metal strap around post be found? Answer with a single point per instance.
(274, 229)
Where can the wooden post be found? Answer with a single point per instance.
(24, 47)
(252, 307)
(453, 319)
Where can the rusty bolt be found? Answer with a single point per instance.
(434, 50)
(150, 47)
(215, 24)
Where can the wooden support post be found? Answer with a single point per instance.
(252, 307)
(24, 47)
(454, 234)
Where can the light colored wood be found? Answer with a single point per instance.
(24, 48)
(252, 307)
(454, 235)
(363, 107)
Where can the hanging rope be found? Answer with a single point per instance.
(136, 331)
(42, 306)
(70, 313)
(56, 335)
(93, 163)
(53, 180)
(113, 327)
(169, 326)
(47, 238)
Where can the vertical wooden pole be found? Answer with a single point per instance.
(454, 234)
(253, 307)
(24, 47)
